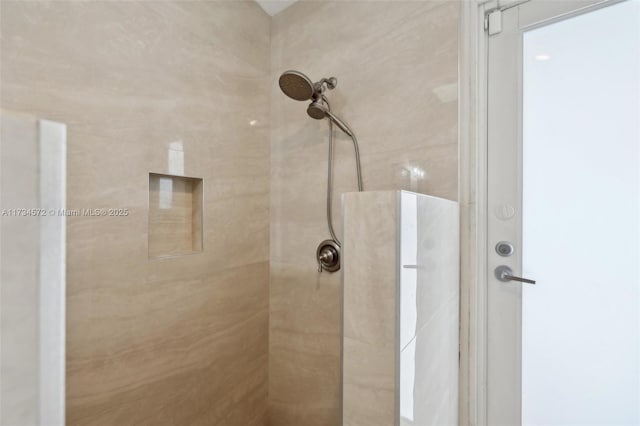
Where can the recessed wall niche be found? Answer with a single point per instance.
(175, 215)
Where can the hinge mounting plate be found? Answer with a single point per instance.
(493, 22)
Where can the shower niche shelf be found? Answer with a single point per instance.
(175, 215)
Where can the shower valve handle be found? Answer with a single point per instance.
(328, 256)
(325, 257)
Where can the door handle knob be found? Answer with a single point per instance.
(505, 274)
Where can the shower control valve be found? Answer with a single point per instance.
(328, 256)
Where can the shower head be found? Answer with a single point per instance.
(299, 87)
(319, 109)
(296, 85)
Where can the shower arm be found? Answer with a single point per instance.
(344, 127)
(329, 83)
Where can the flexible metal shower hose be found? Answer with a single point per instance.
(330, 177)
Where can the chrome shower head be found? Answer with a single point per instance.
(296, 85)
(299, 87)
(317, 109)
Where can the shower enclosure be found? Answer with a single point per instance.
(193, 295)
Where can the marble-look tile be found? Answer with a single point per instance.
(393, 61)
(400, 309)
(370, 342)
(429, 311)
(303, 381)
(161, 72)
(188, 351)
(171, 341)
(175, 215)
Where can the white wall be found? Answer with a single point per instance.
(32, 269)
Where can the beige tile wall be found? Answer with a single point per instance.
(396, 64)
(371, 298)
(179, 341)
(175, 215)
(400, 354)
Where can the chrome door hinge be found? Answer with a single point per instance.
(493, 14)
(493, 22)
